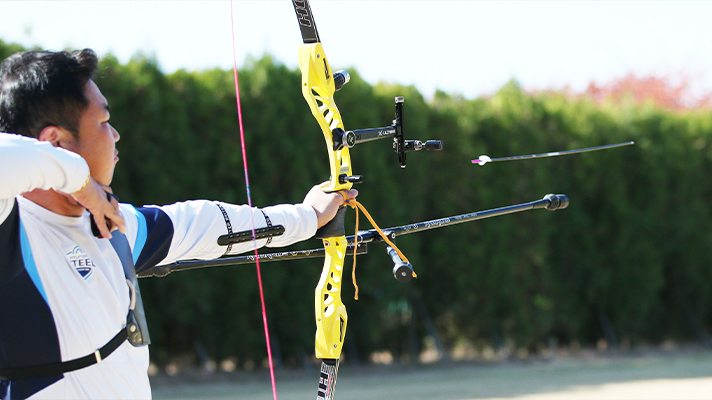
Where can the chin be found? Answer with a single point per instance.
(105, 180)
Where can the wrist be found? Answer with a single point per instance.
(84, 185)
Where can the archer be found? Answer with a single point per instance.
(71, 320)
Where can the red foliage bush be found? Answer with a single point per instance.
(661, 91)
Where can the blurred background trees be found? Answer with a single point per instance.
(627, 262)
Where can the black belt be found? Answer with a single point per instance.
(38, 371)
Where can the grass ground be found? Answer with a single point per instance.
(649, 375)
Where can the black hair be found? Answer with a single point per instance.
(44, 88)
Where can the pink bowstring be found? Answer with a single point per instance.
(249, 202)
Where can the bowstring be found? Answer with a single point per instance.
(249, 203)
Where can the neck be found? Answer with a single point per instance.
(58, 203)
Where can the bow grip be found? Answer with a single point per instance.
(335, 227)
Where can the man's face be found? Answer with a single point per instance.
(97, 138)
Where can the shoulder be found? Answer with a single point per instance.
(149, 231)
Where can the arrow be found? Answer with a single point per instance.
(485, 159)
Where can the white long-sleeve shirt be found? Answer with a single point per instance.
(63, 293)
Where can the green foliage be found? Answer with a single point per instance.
(632, 248)
(8, 49)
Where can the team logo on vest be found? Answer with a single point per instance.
(81, 262)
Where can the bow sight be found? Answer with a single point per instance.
(401, 146)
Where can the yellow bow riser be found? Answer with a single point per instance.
(330, 311)
(318, 90)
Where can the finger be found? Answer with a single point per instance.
(101, 226)
(117, 221)
(349, 194)
(114, 218)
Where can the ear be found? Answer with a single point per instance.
(55, 135)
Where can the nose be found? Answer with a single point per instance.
(116, 134)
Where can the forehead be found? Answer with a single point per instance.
(97, 101)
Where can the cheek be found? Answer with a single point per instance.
(108, 139)
(100, 151)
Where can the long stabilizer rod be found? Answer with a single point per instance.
(485, 159)
(550, 202)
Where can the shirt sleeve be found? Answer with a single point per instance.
(189, 230)
(27, 164)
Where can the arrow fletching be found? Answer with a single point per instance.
(482, 160)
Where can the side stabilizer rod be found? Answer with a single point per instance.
(550, 202)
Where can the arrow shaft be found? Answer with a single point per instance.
(561, 153)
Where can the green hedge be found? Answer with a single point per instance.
(631, 253)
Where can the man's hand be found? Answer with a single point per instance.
(327, 204)
(107, 217)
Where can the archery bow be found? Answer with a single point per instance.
(319, 84)
(318, 87)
